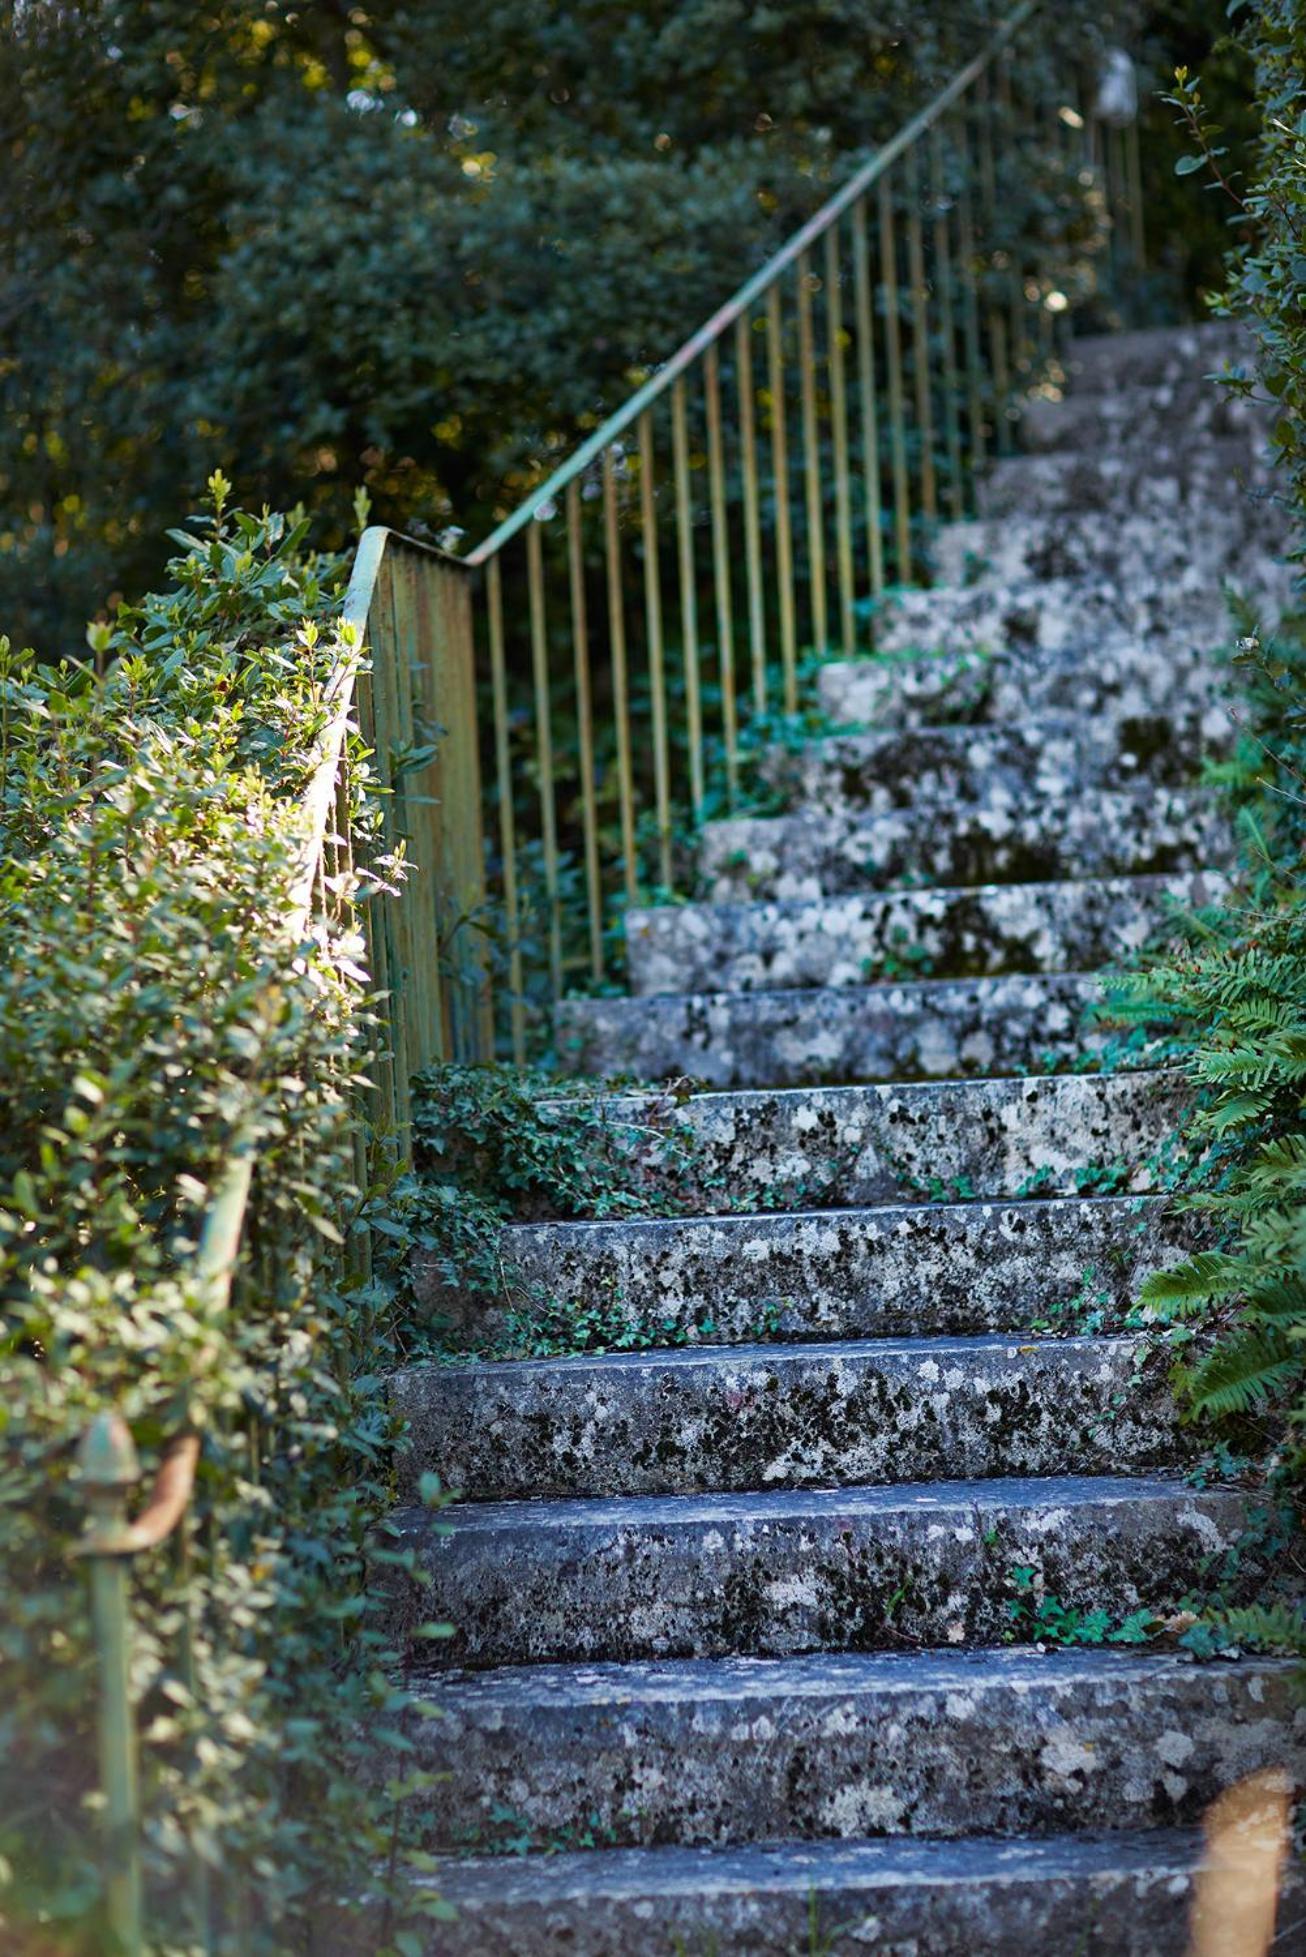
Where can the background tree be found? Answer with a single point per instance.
(417, 247)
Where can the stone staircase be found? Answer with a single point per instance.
(733, 1666)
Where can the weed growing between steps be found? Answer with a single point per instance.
(150, 842)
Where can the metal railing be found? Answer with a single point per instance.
(606, 655)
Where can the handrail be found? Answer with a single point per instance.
(751, 290)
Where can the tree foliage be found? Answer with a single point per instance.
(412, 247)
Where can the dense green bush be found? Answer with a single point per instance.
(152, 1008)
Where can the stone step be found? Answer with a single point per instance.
(886, 1272)
(934, 1743)
(1152, 423)
(679, 1421)
(1019, 833)
(786, 1571)
(1198, 479)
(1109, 1896)
(1239, 537)
(912, 1141)
(1156, 356)
(933, 768)
(1060, 613)
(1162, 677)
(928, 1029)
(975, 931)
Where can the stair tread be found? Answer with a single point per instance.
(683, 1358)
(760, 1506)
(885, 1675)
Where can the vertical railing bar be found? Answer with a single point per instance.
(920, 334)
(752, 518)
(996, 323)
(397, 921)
(947, 322)
(1135, 175)
(688, 595)
(656, 673)
(721, 567)
(843, 519)
(507, 814)
(893, 361)
(866, 390)
(585, 728)
(866, 386)
(784, 543)
(620, 684)
(1018, 305)
(544, 749)
(811, 458)
(970, 305)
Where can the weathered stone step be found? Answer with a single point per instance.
(1113, 1896)
(1070, 612)
(1030, 834)
(786, 1571)
(869, 1411)
(930, 1029)
(1239, 537)
(933, 768)
(1156, 356)
(896, 1271)
(900, 1141)
(1165, 677)
(1149, 422)
(978, 930)
(1063, 485)
(728, 1751)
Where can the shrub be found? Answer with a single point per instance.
(152, 1013)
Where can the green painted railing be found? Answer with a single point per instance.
(604, 656)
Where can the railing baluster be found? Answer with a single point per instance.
(721, 567)
(784, 543)
(656, 675)
(866, 386)
(811, 459)
(620, 686)
(752, 523)
(688, 595)
(544, 750)
(947, 322)
(920, 334)
(843, 514)
(507, 814)
(585, 727)
(1134, 173)
(970, 306)
(997, 325)
(893, 357)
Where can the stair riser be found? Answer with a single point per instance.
(1066, 613)
(1231, 537)
(1158, 356)
(987, 1756)
(804, 1148)
(766, 1580)
(854, 940)
(1155, 424)
(844, 1034)
(929, 770)
(1026, 486)
(1170, 676)
(814, 1416)
(924, 1270)
(1033, 836)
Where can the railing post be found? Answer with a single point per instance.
(106, 1468)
